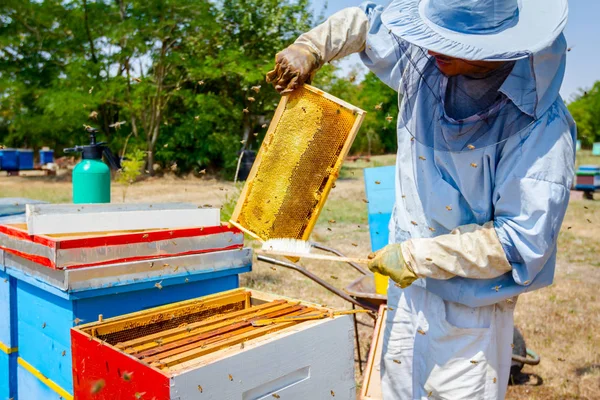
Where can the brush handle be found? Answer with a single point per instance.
(312, 256)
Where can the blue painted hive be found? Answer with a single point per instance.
(49, 286)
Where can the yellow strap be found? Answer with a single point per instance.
(60, 391)
(8, 350)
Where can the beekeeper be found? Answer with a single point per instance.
(485, 162)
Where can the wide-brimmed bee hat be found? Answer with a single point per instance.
(491, 30)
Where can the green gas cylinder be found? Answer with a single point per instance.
(91, 177)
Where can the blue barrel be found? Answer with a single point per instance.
(25, 159)
(46, 156)
(10, 159)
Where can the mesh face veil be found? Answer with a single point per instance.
(423, 107)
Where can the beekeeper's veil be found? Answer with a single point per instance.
(526, 33)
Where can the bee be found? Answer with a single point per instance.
(470, 147)
(509, 301)
(497, 288)
(428, 259)
(43, 325)
(560, 359)
(355, 244)
(274, 269)
(264, 126)
(421, 331)
(242, 345)
(474, 362)
(365, 201)
(334, 277)
(151, 264)
(422, 158)
(176, 268)
(589, 220)
(276, 395)
(332, 221)
(389, 118)
(203, 171)
(98, 386)
(245, 111)
(230, 378)
(166, 145)
(332, 393)
(91, 90)
(255, 134)
(159, 341)
(139, 395)
(251, 99)
(432, 229)
(379, 106)
(397, 361)
(512, 345)
(449, 208)
(197, 117)
(378, 182)
(186, 280)
(526, 283)
(158, 285)
(144, 236)
(495, 380)
(352, 78)
(76, 321)
(138, 80)
(127, 376)
(242, 141)
(474, 165)
(256, 88)
(174, 167)
(329, 229)
(93, 115)
(200, 83)
(117, 125)
(200, 388)
(430, 393)
(64, 353)
(414, 223)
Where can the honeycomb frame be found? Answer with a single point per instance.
(304, 195)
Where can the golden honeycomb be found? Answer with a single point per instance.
(295, 163)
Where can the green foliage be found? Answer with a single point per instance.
(131, 168)
(586, 112)
(178, 73)
(378, 132)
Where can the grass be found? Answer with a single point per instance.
(561, 322)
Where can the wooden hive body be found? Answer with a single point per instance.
(292, 360)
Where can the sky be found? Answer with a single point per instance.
(582, 33)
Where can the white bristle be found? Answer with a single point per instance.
(291, 246)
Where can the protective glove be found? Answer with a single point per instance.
(294, 66)
(389, 261)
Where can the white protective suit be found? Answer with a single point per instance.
(477, 214)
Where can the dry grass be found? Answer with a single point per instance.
(561, 323)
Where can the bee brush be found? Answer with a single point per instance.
(295, 248)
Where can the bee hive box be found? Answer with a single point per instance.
(209, 348)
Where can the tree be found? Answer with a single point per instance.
(585, 109)
(178, 72)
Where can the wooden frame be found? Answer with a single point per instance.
(371, 387)
(360, 115)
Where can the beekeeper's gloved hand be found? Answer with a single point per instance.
(344, 33)
(294, 66)
(389, 261)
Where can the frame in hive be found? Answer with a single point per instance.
(208, 347)
(297, 165)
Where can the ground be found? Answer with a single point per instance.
(561, 322)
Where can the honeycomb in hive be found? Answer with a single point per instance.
(297, 164)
